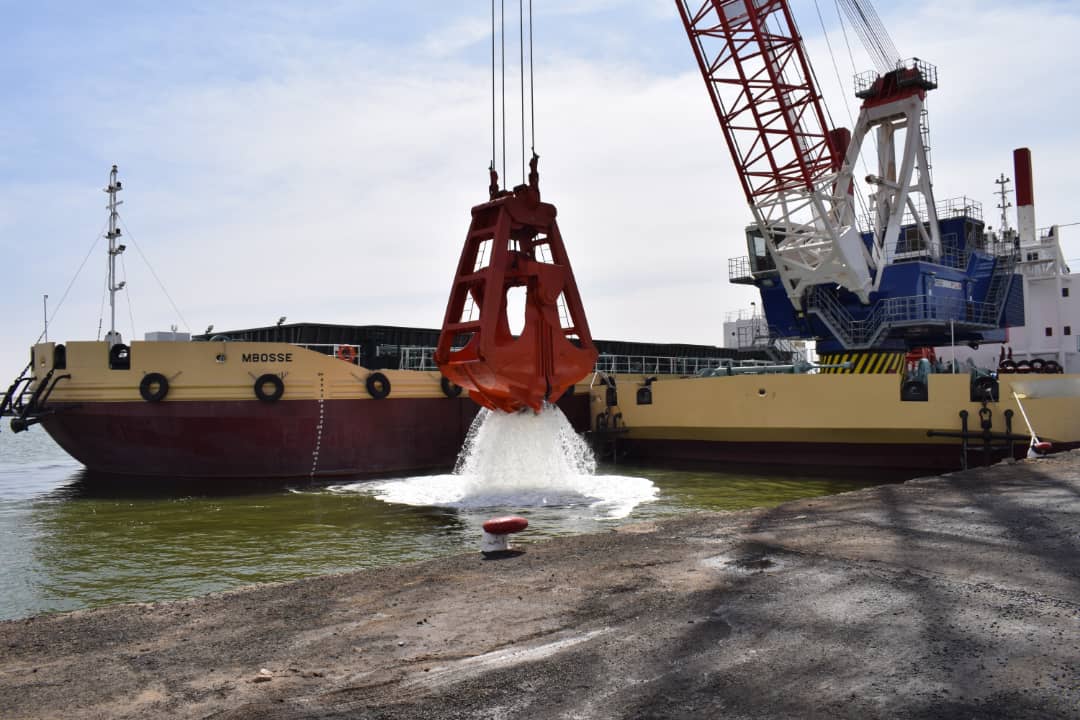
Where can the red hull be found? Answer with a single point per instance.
(248, 439)
(924, 457)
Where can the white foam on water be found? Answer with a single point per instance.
(519, 460)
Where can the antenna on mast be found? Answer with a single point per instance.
(1003, 190)
(115, 186)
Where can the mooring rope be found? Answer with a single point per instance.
(100, 234)
(150, 267)
(127, 294)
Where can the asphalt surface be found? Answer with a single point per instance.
(952, 597)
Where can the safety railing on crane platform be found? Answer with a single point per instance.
(913, 247)
(897, 312)
(911, 71)
(739, 270)
(954, 207)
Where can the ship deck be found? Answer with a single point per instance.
(952, 596)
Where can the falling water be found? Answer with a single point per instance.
(518, 461)
(524, 451)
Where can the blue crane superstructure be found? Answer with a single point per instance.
(898, 271)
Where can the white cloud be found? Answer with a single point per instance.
(337, 186)
(457, 36)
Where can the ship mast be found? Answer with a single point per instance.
(115, 186)
(1004, 205)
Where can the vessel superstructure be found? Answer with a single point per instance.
(874, 288)
(1048, 336)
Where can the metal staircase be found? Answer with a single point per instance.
(25, 401)
(1001, 281)
(853, 334)
(913, 310)
(13, 400)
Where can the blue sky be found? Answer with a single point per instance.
(318, 160)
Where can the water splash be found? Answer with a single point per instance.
(524, 450)
(515, 462)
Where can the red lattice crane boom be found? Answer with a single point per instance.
(759, 80)
(761, 88)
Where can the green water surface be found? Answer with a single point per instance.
(71, 542)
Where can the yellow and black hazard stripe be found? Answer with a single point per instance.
(864, 363)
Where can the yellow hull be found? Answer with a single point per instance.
(215, 371)
(826, 419)
(844, 419)
(210, 422)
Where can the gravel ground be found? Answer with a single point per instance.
(951, 597)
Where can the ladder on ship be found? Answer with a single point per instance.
(26, 402)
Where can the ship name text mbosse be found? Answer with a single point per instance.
(266, 357)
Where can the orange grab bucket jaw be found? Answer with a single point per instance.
(514, 242)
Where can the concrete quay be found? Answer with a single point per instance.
(948, 597)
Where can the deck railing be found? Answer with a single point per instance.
(422, 358)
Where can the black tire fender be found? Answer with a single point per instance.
(450, 389)
(154, 387)
(378, 385)
(269, 379)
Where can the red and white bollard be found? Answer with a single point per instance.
(497, 533)
(1038, 448)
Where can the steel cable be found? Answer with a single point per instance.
(871, 33)
(63, 297)
(847, 105)
(502, 57)
(127, 294)
(885, 44)
(150, 267)
(521, 73)
(854, 71)
(532, 86)
(101, 310)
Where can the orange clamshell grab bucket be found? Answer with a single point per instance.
(514, 241)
